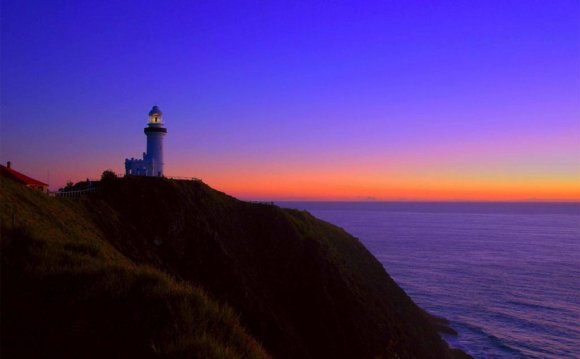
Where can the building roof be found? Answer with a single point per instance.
(20, 177)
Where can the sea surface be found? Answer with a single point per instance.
(507, 275)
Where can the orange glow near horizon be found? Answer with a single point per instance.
(352, 185)
(469, 177)
(327, 190)
(511, 170)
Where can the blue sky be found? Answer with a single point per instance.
(377, 89)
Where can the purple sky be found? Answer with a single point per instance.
(397, 99)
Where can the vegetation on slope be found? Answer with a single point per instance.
(68, 293)
(97, 277)
(303, 287)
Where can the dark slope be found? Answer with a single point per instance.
(304, 288)
(67, 293)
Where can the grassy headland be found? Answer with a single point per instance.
(165, 268)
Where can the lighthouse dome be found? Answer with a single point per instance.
(155, 111)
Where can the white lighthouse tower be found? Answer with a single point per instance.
(155, 133)
(152, 162)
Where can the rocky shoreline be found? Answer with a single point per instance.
(443, 326)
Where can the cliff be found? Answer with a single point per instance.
(168, 268)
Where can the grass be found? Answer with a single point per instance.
(152, 267)
(67, 292)
(303, 287)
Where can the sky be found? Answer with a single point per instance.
(301, 100)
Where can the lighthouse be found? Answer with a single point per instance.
(155, 133)
(152, 162)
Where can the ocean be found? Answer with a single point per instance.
(506, 275)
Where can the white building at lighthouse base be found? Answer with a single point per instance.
(137, 167)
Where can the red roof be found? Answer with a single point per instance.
(19, 177)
